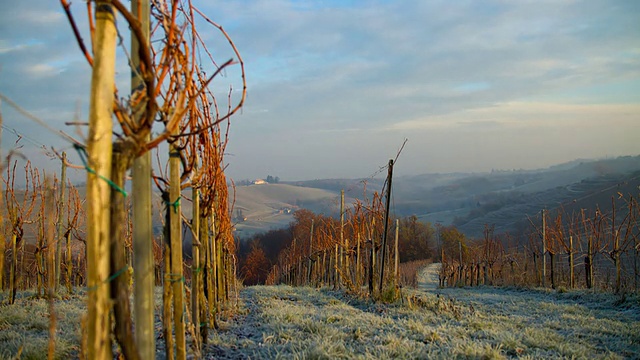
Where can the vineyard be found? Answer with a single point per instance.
(596, 249)
(85, 274)
(306, 322)
(56, 240)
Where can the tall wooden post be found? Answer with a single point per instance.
(616, 260)
(358, 260)
(204, 278)
(119, 281)
(544, 248)
(397, 255)
(372, 258)
(61, 204)
(49, 239)
(310, 254)
(196, 272)
(342, 243)
(141, 207)
(51, 270)
(167, 299)
(386, 225)
(2, 240)
(99, 147)
(294, 256)
(211, 271)
(175, 229)
(69, 261)
(571, 263)
(635, 263)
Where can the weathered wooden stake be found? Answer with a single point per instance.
(61, 204)
(195, 268)
(571, 264)
(143, 262)
(2, 240)
(119, 269)
(98, 189)
(386, 225)
(342, 243)
(175, 230)
(310, 253)
(397, 255)
(544, 248)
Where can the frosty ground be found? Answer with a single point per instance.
(307, 323)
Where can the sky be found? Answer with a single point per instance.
(335, 87)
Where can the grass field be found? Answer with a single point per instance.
(306, 323)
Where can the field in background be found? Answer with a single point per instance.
(264, 207)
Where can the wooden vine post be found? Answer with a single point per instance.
(358, 260)
(386, 225)
(99, 148)
(342, 264)
(119, 269)
(175, 232)
(571, 264)
(310, 254)
(203, 238)
(143, 263)
(396, 275)
(372, 257)
(61, 204)
(544, 248)
(195, 267)
(2, 240)
(74, 203)
(213, 272)
(48, 225)
(51, 268)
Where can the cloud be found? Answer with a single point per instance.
(330, 80)
(523, 115)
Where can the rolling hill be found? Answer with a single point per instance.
(500, 198)
(269, 206)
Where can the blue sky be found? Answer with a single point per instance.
(335, 87)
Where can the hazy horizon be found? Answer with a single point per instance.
(335, 87)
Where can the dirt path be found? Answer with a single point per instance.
(428, 278)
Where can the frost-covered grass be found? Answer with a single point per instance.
(481, 323)
(24, 326)
(305, 323)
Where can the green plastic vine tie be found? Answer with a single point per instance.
(175, 277)
(82, 152)
(175, 204)
(110, 278)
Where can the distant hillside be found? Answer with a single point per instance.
(505, 199)
(269, 206)
(467, 200)
(501, 198)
